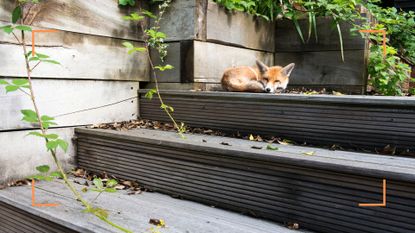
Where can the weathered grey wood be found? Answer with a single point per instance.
(180, 215)
(211, 60)
(325, 67)
(81, 57)
(93, 17)
(21, 154)
(319, 192)
(288, 40)
(56, 97)
(180, 56)
(181, 20)
(205, 20)
(359, 121)
(239, 29)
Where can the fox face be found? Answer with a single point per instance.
(274, 78)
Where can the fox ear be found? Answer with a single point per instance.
(288, 69)
(261, 66)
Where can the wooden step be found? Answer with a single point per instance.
(130, 211)
(321, 190)
(348, 121)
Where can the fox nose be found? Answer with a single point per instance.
(268, 89)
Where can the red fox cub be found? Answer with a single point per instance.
(259, 79)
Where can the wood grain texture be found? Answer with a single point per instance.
(93, 17)
(239, 28)
(56, 97)
(324, 67)
(288, 40)
(20, 154)
(211, 60)
(81, 57)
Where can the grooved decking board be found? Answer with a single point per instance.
(320, 192)
(351, 121)
(130, 211)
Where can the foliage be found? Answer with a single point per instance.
(154, 39)
(399, 26)
(53, 142)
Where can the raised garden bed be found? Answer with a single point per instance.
(320, 192)
(348, 121)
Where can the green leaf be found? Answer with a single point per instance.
(20, 82)
(46, 118)
(110, 190)
(17, 14)
(23, 28)
(98, 183)
(128, 45)
(38, 177)
(271, 147)
(150, 93)
(29, 116)
(3, 82)
(34, 59)
(56, 174)
(43, 168)
(48, 136)
(163, 68)
(111, 183)
(52, 145)
(148, 14)
(7, 29)
(11, 88)
(40, 55)
(126, 2)
(63, 144)
(52, 62)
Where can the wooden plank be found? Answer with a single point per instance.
(288, 40)
(81, 56)
(324, 67)
(180, 22)
(20, 154)
(211, 60)
(239, 28)
(56, 97)
(93, 17)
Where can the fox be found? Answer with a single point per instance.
(257, 79)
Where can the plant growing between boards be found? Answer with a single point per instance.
(153, 39)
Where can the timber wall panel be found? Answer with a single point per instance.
(93, 17)
(20, 153)
(56, 97)
(81, 57)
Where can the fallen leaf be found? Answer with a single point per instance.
(309, 153)
(225, 143)
(84, 189)
(119, 187)
(293, 226)
(157, 222)
(285, 142)
(251, 137)
(256, 147)
(271, 147)
(337, 93)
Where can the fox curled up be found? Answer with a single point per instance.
(259, 79)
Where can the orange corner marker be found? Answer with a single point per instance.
(384, 37)
(34, 202)
(383, 204)
(33, 38)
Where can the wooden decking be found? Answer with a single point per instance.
(320, 192)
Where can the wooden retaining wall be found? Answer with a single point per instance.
(95, 70)
(207, 38)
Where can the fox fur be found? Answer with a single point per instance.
(257, 79)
